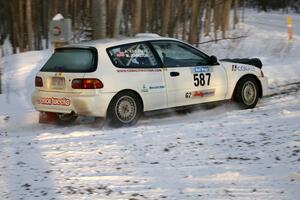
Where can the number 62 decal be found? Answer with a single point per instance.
(202, 79)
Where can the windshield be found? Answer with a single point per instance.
(72, 60)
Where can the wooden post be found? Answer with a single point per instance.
(0, 80)
(290, 28)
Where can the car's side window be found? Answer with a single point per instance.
(176, 54)
(137, 55)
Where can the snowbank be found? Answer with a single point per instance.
(18, 84)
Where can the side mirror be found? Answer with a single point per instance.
(213, 60)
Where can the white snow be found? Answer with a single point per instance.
(58, 17)
(221, 153)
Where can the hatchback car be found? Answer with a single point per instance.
(121, 79)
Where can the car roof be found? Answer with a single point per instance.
(106, 43)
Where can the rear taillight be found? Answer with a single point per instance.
(87, 84)
(38, 81)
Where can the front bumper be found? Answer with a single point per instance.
(264, 85)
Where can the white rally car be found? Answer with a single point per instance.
(121, 79)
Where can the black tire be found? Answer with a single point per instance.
(66, 119)
(247, 93)
(125, 109)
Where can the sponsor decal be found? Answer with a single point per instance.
(152, 87)
(200, 94)
(145, 89)
(242, 68)
(207, 93)
(200, 69)
(139, 70)
(133, 53)
(156, 87)
(54, 101)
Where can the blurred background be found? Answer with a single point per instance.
(24, 24)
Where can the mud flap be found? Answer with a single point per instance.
(47, 118)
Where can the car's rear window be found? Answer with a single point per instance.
(72, 60)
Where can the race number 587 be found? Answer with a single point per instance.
(202, 79)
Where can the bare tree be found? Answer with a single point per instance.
(29, 23)
(137, 13)
(166, 17)
(208, 17)
(225, 19)
(99, 18)
(176, 21)
(45, 21)
(185, 16)
(21, 25)
(118, 18)
(199, 24)
(193, 34)
(235, 15)
(217, 14)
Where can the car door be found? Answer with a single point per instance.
(189, 76)
(139, 70)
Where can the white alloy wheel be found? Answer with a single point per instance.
(249, 93)
(126, 109)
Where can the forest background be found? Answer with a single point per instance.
(25, 23)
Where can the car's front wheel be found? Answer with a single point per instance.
(124, 110)
(247, 93)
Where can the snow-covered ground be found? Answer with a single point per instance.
(221, 153)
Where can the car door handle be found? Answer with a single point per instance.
(174, 73)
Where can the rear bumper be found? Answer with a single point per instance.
(89, 105)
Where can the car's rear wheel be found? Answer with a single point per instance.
(125, 109)
(247, 93)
